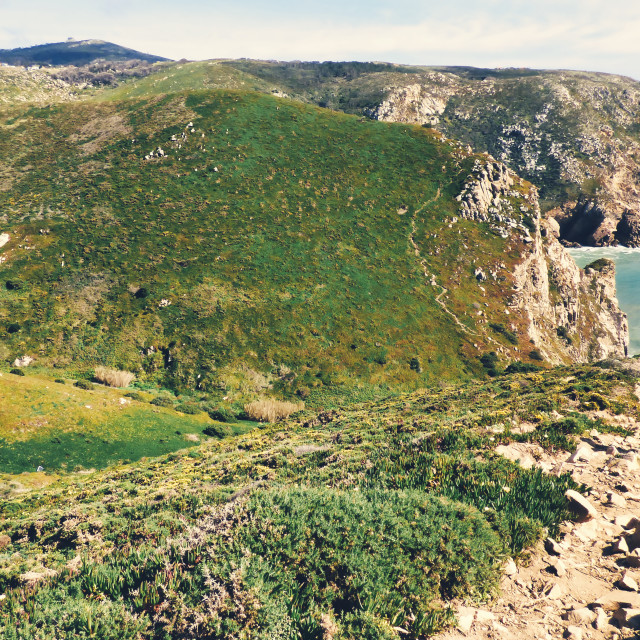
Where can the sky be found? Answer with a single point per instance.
(593, 35)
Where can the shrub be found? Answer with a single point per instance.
(221, 414)
(60, 381)
(269, 410)
(189, 408)
(17, 372)
(134, 395)
(490, 363)
(394, 567)
(535, 354)
(162, 401)
(522, 367)
(500, 328)
(14, 327)
(414, 365)
(142, 292)
(217, 431)
(113, 377)
(84, 384)
(14, 285)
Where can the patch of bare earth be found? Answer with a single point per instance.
(585, 584)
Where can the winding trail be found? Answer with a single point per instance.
(423, 264)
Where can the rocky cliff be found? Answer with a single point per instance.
(575, 135)
(568, 312)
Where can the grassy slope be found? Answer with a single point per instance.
(365, 519)
(58, 426)
(529, 118)
(292, 255)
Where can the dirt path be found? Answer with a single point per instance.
(586, 584)
(432, 278)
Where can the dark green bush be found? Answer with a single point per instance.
(141, 293)
(522, 367)
(535, 354)
(17, 372)
(134, 395)
(14, 285)
(415, 365)
(501, 329)
(60, 381)
(221, 414)
(84, 384)
(490, 362)
(371, 558)
(162, 401)
(189, 408)
(218, 431)
(14, 327)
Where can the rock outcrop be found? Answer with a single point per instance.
(570, 313)
(574, 136)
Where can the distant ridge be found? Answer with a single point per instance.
(73, 52)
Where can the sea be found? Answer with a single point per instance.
(627, 282)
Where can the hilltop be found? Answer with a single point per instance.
(575, 135)
(73, 52)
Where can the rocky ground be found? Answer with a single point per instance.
(585, 584)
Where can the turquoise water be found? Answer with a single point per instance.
(627, 282)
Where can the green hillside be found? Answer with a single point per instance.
(367, 521)
(273, 245)
(73, 52)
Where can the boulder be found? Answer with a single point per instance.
(580, 506)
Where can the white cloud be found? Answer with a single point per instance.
(544, 33)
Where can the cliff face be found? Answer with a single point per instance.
(570, 314)
(574, 134)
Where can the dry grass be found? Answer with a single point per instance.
(269, 410)
(114, 377)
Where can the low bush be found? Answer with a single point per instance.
(269, 410)
(162, 401)
(14, 285)
(84, 384)
(372, 559)
(17, 372)
(535, 354)
(217, 431)
(189, 408)
(60, 381)
(113, 377)
(14, 327)
(134, 395)
(221, 414)
(522, 367)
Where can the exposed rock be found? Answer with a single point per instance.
(581, 616)
(580, 506)
(555, 592)
(573, 633)
(24, 361)
(552, 547)
(616, 500)
(580, 134)
(627, 582)
(620, 546)
(510, 567)
(629, 618)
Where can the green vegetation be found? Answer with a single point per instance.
(362, 520)
(264, 252)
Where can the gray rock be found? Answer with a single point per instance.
(580, 506)
(552, 547)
